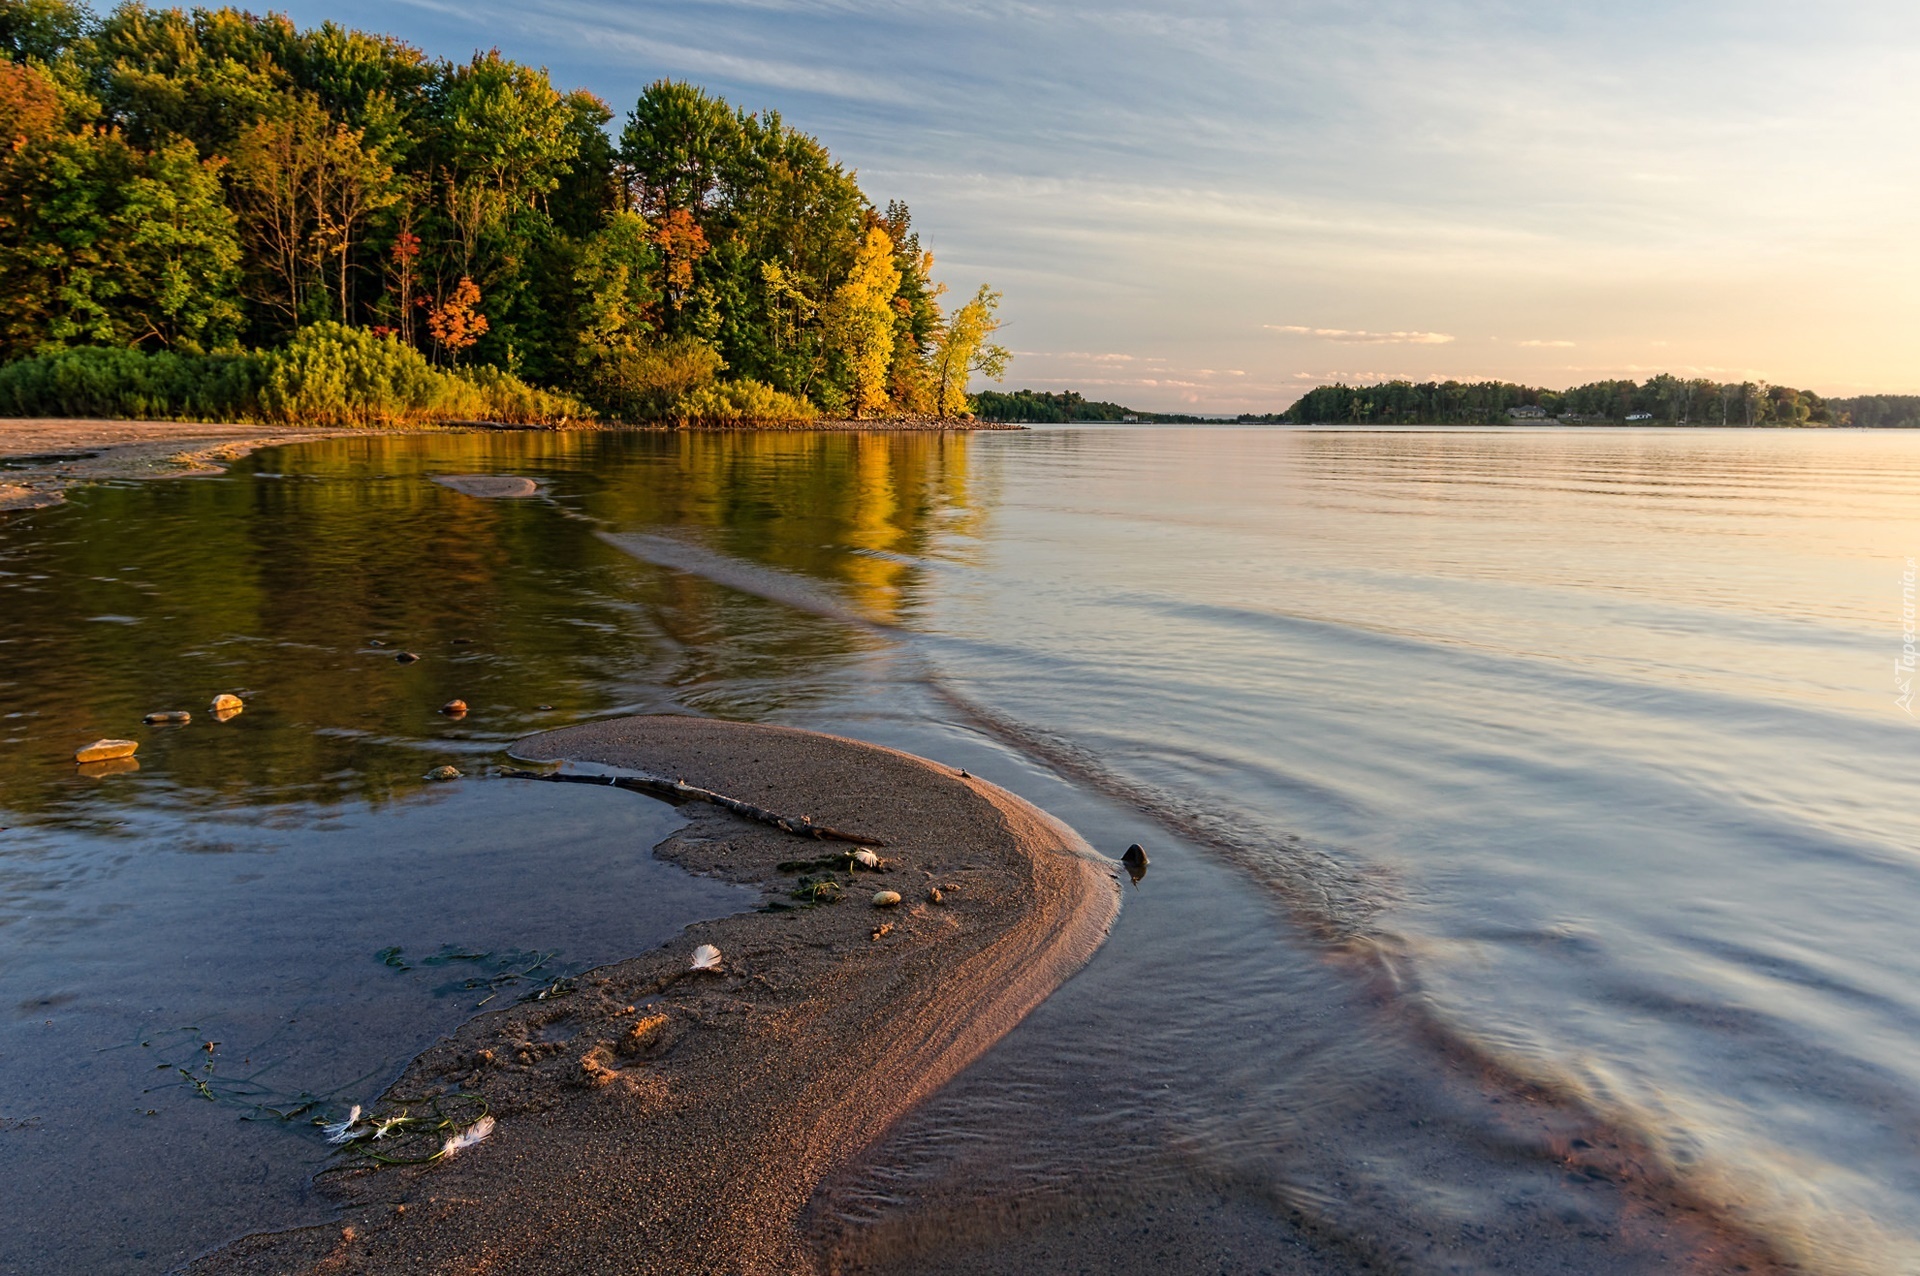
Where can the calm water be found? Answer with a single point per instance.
(1569, 760)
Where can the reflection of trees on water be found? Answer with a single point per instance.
(273, 586)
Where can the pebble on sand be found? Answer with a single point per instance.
(885, 899)
(167, 715)
(105, 751)
(444, 773)
(454, 708)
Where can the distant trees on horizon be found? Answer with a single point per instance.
(1665, 399)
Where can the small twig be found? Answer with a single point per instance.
(677, 791)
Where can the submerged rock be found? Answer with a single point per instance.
(167, 715)
(444, 773)
(405, 658)
(105, 751)
(490, 486)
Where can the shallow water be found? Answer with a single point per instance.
(1571, 754)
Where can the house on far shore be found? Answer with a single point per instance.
(1531, 412)
(1639, 416)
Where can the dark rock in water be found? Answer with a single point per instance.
(105, 750)
(405, 658)
(463, 642)
(454, 708)
(444, 773)
(1136, 861)
(167, 715)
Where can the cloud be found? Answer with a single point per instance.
(1549, 345)
(1359, 337)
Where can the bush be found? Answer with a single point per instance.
(328, 375)
(742, 403)
(129, 384)
(648, 384)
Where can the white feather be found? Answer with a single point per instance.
(867, 857)
(342, 1131)
(475, 1133)
(706, 957)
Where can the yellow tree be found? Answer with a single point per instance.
(964, 347)
(860, 321)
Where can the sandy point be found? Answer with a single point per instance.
(662, 1119)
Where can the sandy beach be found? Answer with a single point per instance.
(45, 456)
(657, 1119)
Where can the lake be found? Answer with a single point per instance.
(1556, 771)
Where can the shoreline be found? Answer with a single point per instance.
(671, 1121)
(60, 453)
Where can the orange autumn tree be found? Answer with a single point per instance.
(454, 324)
(682, 244)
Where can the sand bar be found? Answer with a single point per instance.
(45, 456)
(694, 1145)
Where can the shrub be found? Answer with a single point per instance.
(328, 375)
(742, 402)
(647, 384)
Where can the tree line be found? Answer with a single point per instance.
(1664, 398)
(211, 183)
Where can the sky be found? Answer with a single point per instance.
(1217, 206)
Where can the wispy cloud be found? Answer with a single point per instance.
(1358, 337)
(1549, 345)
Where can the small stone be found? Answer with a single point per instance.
(454, 708)
(885, 899)
(933, 895)
(167, 715)
(105, 751)
(444, 773)
(405, 658)
(1136, 862)
(228, 705)
(883, 930)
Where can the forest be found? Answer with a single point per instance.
(212, 213)
(1664, 398)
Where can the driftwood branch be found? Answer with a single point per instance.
(679, 791)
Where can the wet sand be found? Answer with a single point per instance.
(45, 456)
(663, 1120)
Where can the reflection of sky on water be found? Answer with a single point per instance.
(1591, 731)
